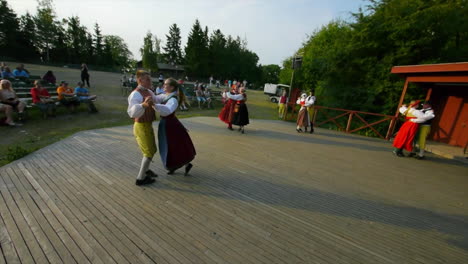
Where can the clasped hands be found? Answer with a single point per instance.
(147, 102)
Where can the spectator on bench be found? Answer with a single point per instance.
(41, 98)
(200, 96)
(9, 97)
(85, 97)
(67, 97)
(49, 77)
(209, 101)
(21, 72)
(8, 110)
(7, 74)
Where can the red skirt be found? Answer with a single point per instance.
(227, 112)
(405, 137)
(175, 145)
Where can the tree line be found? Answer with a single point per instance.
(348, 63)
(43, 37)
(207, 54)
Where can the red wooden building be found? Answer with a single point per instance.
(447, 88)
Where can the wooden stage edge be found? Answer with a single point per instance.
(268, 196)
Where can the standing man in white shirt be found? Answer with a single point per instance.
(140, 108)
(424, 128)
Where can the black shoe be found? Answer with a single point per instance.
(311, 131)
(170, 172)
(299, 130)
(242, 131)
(151, 174)
(147, 180)
(188, 167)
(420, 157)
(412, 154)
(398, 153)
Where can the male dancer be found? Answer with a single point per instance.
(140, 108)
(424, 128)
(310, 101)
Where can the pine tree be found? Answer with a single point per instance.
(27, 38)
(196, 52)
(46, 26)
(217, 54)
(149, 52)
(172, 50)
(98, 47)
(9, 26)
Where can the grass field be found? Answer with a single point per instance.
(37, 133)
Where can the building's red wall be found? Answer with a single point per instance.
(450, 125)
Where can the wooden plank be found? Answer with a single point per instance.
(94, 237)
(80, 250)
(39, 244)
(127, 224)
(117, 191)
(424, 68)
(101, 163)
(33, 208)
(142, 220)
(6, 242)
(102, 230)
(17, 249)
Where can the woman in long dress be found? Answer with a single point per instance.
(227, 113)
(303, 116)
(241, 113)
(175, 145)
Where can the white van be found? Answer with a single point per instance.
(274, 91)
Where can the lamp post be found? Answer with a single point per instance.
(296, 64)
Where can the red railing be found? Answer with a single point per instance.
(351, 115)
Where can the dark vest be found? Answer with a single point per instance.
(149, 115)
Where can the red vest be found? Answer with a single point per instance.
(149, 115)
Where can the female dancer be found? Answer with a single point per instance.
(405, 136)
(175, 145)
(241, 113)
(302, 117)
(227, 112)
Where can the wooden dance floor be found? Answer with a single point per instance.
(268, 196)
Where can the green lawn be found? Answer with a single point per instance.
(37, 133)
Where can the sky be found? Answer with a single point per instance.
(273, 29)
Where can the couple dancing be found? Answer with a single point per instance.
(175, 146)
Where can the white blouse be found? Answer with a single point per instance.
(168, 108)
(237, 97)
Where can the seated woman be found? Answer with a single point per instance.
(41, 98)
(85, 97)
(7, 74)
(67, 97)
(49, 77)
(8, 110)
(9, 97)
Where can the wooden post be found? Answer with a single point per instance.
(429, 93)
(289, 98)
(393, 123)
(350, 120)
